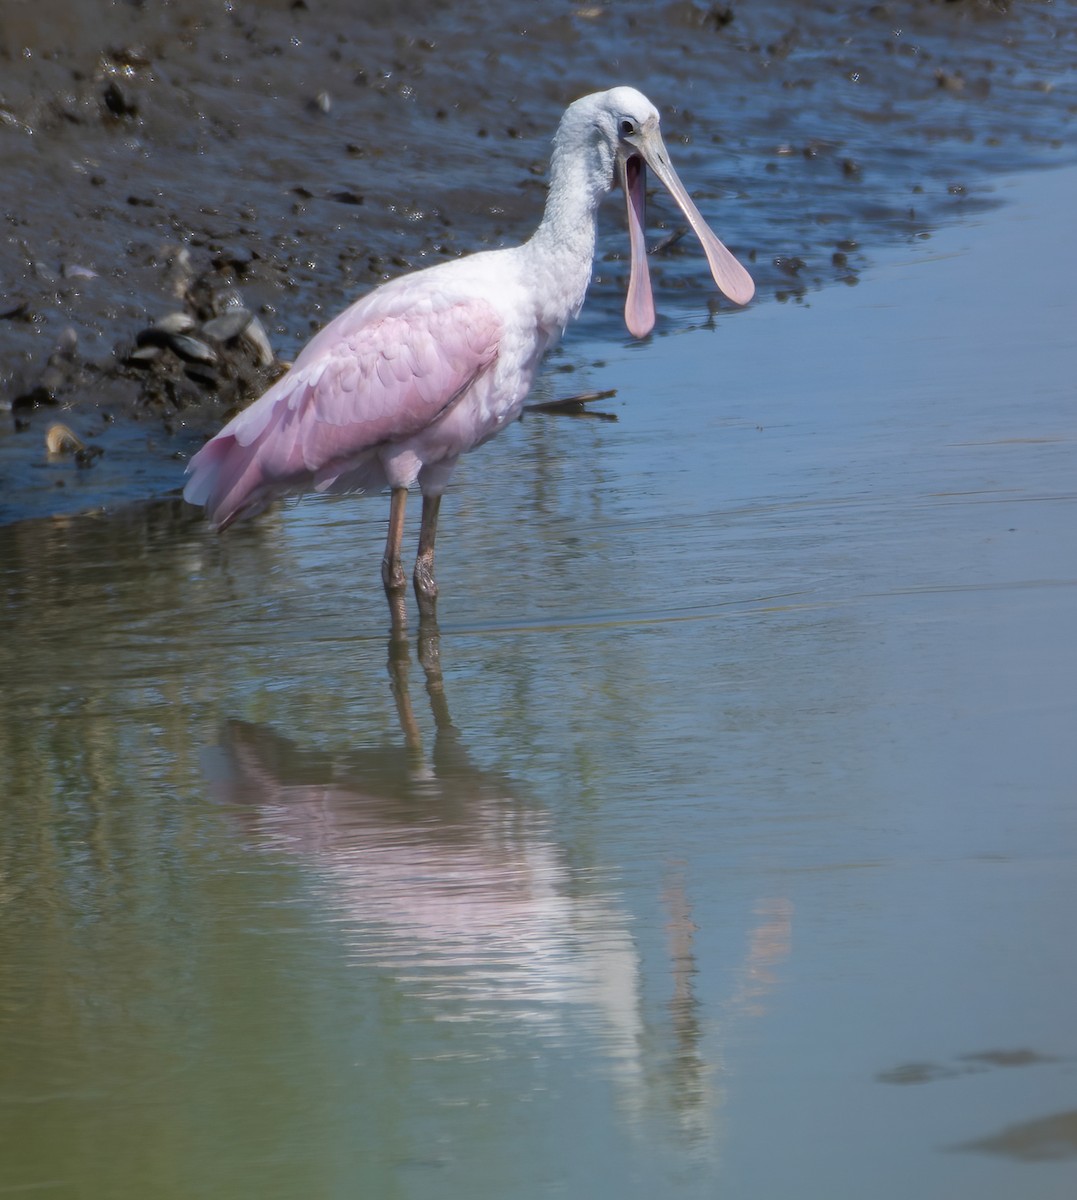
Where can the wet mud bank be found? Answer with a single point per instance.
(190, 190)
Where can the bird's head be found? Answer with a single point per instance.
(626, 126)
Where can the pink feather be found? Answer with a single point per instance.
(358, 386)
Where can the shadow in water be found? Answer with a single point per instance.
(1046, 1139)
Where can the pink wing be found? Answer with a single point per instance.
(365, 380)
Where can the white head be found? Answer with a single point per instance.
(621, 127)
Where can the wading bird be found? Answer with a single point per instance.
(393, 390)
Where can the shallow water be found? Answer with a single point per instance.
(723, 841)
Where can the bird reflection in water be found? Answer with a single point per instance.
(442, 875)
(698, 1032)
(444, 879)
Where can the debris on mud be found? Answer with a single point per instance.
(214, 352)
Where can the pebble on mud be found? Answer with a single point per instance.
(214, 351)
(59, 439)
(117, 102)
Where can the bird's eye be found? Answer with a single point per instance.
(628, 127)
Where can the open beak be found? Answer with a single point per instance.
(734, 281)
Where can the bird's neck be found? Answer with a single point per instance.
(562, 249)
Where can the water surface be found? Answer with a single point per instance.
(722, 842)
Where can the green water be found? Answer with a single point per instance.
(723, 842)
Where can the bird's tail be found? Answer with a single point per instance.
(227, 479)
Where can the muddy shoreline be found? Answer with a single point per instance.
(281, 157)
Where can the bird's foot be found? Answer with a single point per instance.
(392, 576)
(396, 590)
(426, 589)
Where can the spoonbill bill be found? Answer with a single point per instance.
(393, 390)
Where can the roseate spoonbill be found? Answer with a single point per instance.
(393, 390)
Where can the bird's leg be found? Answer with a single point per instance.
(392, 569)
(426, 588)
